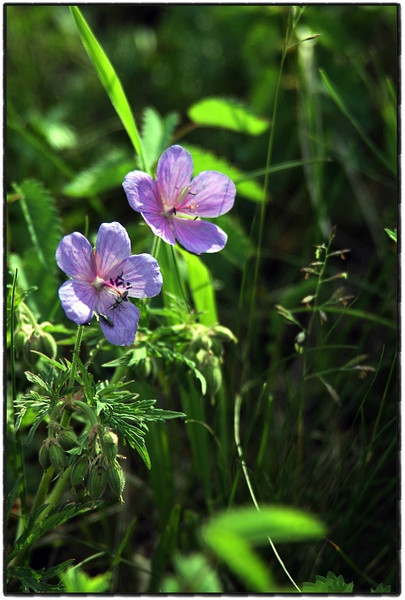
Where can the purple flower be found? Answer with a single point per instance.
(172, 204)
(102, 280)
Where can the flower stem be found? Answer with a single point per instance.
(66, 415)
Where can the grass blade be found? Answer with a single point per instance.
(342, 106)
(110, 81)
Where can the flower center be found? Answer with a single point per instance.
(118, 288)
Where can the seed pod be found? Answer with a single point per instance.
(43, 456)
(57, 457)
(79, 471)
(97, 481)
(67, 439)
(213, 374)
(116, 478)
(110, 445)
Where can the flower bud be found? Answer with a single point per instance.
(57, 457)
(43, 456)
(79, 471)
(116, 478)
(224, 334)
(97, 481)
(110, 445)
(67, 439)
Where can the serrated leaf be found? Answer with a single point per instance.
(44, 231)
(106, 174)
(193, 574)
(204, 160)
(227, 114)
(381, 589)
(331, 585)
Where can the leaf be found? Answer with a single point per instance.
(165, 549)
(44, 232)
(33, 580)
(201, 288)
(204, 160)
(110, 81)
(76, 580)
(281, 524)
(240, 558)
(193, 574)
(334, 94)
(227, 114)
(381, 589)
(330, 585)
(392, 234)
(156, 133)
(104, 175)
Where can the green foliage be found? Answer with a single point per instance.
(36, 581)
(232, 534)
(38, 239)
(193, 574)
(106, 174)
(156, 133)
(381, 589)
(331, 584)
(130, 418)
(281, 524)
(109, 79)
(76, 580)
(391, 234)
(227, 114)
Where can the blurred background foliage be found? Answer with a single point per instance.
(62, 131)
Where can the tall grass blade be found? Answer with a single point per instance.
(333, 93)
(110, 81)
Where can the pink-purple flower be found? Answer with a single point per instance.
(104, 278)
(173, 203)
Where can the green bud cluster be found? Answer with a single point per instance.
(206, 350)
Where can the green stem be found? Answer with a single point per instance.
(67, 415)
(18, 454)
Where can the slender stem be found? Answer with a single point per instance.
(67, 415)
(19, 454)
(238, 404)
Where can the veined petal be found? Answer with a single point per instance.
(213, 194)
(160, 226)
(174, 171)
(142, 271)
(199, 236)
(125, 323)
(74, 256)
(78, 300)
(142, 192)
(112, 247)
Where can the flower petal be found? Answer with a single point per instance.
(125, 323)
(213, 194)
(142, 271)
(112, 247)
(199, 236)
(74, 255)
(174, 171)
(78, 300)
(142, 192)
(160, 226)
